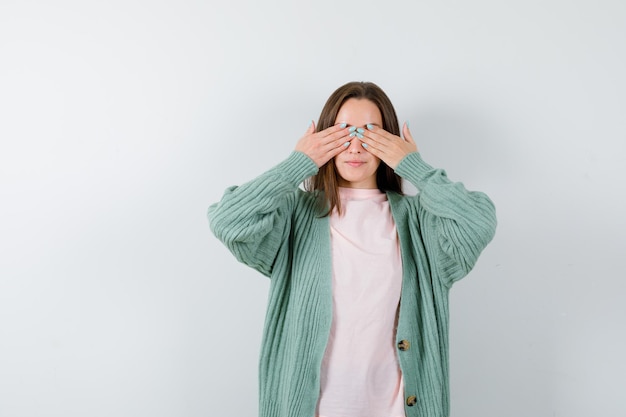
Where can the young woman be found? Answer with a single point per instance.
(357, 317)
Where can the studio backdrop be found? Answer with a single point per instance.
(121, 121)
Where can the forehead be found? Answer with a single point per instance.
(359, 112)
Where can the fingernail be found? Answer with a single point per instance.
(346, 144)
(352, 129)
(360, 130)
(369, 126)
(407, 123)
(364, 145)
(343, 125)
(360, 136)
(353, 134)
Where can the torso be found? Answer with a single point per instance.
(360, 374)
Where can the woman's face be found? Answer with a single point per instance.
(357, 167)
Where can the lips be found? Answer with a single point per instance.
(355, 164)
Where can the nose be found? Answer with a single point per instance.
(355, 145)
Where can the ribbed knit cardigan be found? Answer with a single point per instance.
(275, 227)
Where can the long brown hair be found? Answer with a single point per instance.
(325, 180)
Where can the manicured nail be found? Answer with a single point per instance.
(343, 125)
(353, 134)
(352, 129)
(360, 130)
(364, 145)
(346, 144)
(359, 135)
(369, 126)
(407, 123)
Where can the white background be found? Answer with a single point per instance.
(121, 121)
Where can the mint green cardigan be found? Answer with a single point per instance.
(275, 227)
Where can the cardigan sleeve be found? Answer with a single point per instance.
(457, 222)
(251, 219)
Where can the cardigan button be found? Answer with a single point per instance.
(404, 345)
(411, 401)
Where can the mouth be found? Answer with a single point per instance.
(355, 164)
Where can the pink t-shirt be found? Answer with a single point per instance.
(360, 375)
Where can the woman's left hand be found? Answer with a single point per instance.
(391, 149)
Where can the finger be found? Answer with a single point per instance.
(382, 142)
(372, 127)
(340, 142)
(370, 144)
(333, 129)
(334, 133)
(372, 148)
(406, 133)
(380, 139)
(310, 129)
(339, 149)
(379, 133)
(330, 150)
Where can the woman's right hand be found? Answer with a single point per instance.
(323, 146)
